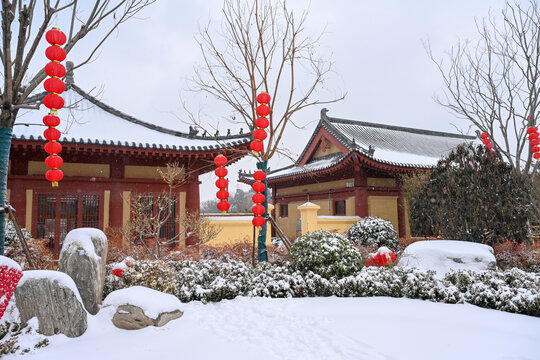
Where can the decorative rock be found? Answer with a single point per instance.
(83, 257)
(53, 298)
(138, 307)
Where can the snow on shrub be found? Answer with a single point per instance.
(154, 274)
(327, 254)
(11, 233)
(375, 232)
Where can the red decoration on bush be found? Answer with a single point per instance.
(382, 257)
(486, 141)
(117, 272)
(9, 278)
(54, 69)
(262, 122)
(54, 85)
(55, 37)
(258, 221)
(55, 53)
(484, 135)
(222, 183)
(263, 98)
(54, 102)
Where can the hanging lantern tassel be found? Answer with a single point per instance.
(258, 198)
(222, 183)
(54, 86)
(534, 141)
(261, 123)
(487, 141)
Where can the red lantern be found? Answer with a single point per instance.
(53, 147)
(486, 141)
(258, 198)
(533, 136)
(259, 175)
(257, 146)
(223, 206)
(53, 101)
(54, 175)
(259, 134)
(55, 69)
(222, 183)
(262, 122)
(263, 98)
(536, 156)
(51, 134)
(258, 221)
(54, 85)
(220, 160)
(53, 161)
(55, 37)
(51, 120)
(263, 110)
(221, 172)
(484, 135)
(258, 187)
(535, 142)
(489, 146)
(535, 149)
(532, 130)
(55, 53)
(222, 194)
(258, 209)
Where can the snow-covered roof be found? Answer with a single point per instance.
(385, 144)
(87, 120)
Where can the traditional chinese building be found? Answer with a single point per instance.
(108, 156)
(353, 168)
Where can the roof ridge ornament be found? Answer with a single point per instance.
(324, 111)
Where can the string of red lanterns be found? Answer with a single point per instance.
(534, 140)
(486, 141)
(261, 123)
(258, 198)
(222, 183)
(53, 101)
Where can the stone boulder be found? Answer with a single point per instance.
(52, 298)
(443, 256)
(138, 307)
(83, 257)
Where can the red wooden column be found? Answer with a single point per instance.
(360, 192)
(192, 201)
(402, 222)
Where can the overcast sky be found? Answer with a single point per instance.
(376, 46)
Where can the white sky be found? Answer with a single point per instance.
(376, 46)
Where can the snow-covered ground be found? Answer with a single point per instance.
(310, 328)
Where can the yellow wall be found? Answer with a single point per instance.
(28, 220)
(106, 204)
(330, 185)
(235, 229)
(386, 182)
(8, 195)
(288, 224)
(146, 172)
(384, 207)
(330, 149)
(338, 224)
(71, 169)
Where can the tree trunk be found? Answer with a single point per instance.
(5, 145)
(261, 249)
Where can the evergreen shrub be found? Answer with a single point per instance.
(374, 232)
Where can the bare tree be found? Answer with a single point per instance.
(494, 82)
(262, 46)
(151, 215)
(23, 25)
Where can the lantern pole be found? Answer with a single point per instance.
(261, 246)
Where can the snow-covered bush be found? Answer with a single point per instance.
(374, 232)
(327, 254)
(11, 233)
(154, 274)
(512, 290)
